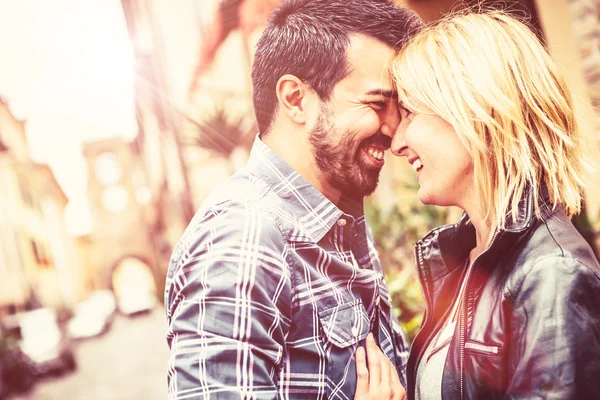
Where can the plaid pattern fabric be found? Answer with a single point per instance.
(271, 289)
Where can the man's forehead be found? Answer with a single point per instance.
(360, 45)
(368, 62)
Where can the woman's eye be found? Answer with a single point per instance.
(405, 112)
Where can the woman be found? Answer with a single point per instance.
(512, 290)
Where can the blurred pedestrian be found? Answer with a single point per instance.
(512, 290)
(276, 282)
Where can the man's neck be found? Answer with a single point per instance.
(297, 153)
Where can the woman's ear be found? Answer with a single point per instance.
(290, 93)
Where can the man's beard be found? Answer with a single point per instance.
(340, 160)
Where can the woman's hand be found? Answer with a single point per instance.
(380, 379)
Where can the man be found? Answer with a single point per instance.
(276, 282)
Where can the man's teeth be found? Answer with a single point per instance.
(417, 165)
(377, 154)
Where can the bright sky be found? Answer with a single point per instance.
(67, 68)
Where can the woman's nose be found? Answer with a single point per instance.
(398, 146)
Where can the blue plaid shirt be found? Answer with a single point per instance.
(271, 290)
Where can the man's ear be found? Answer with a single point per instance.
(291, 92)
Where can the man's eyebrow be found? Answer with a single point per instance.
(392, 94)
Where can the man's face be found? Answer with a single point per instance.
(355, 126)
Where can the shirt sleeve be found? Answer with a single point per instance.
(227, 300)
(554, 350)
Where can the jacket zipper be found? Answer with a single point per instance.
(425, 295)
(463, 310)
(462, 318)
(420, 263)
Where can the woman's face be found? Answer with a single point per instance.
(443, 165)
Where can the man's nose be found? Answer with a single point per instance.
(391, 121)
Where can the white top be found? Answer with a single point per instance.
(431, 366)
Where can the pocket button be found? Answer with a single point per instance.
(354, 331)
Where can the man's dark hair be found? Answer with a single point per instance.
(308, 39)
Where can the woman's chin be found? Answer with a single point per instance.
(423, 197)
(428, 198)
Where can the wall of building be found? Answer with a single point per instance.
(14, 288)
(37, 256)
(124, 222)
(572, 31)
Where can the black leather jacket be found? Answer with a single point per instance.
(529, 327)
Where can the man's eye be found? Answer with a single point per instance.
(378, 105)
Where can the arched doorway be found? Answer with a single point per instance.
(133, 284)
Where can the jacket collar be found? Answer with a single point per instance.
(445, 248)
(526, 209)
(315, 212)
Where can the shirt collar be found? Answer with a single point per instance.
(314, 211)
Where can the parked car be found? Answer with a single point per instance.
(16, 375)
(105, 301)
(93, 316)
(134, 302)
(43, 340)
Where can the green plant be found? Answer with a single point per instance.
(396, 230)
(219, 133)
(407, 300)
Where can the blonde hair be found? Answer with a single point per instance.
(488, 75)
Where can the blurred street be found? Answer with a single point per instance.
(127, 362)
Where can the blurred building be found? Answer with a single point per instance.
(130, 222)
(38, 260)
(139, 191)
(193, 62)
(586, 28)
(64, 278)
(158, 117)
(15, 273)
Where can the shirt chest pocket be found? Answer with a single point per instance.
(343, 328)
